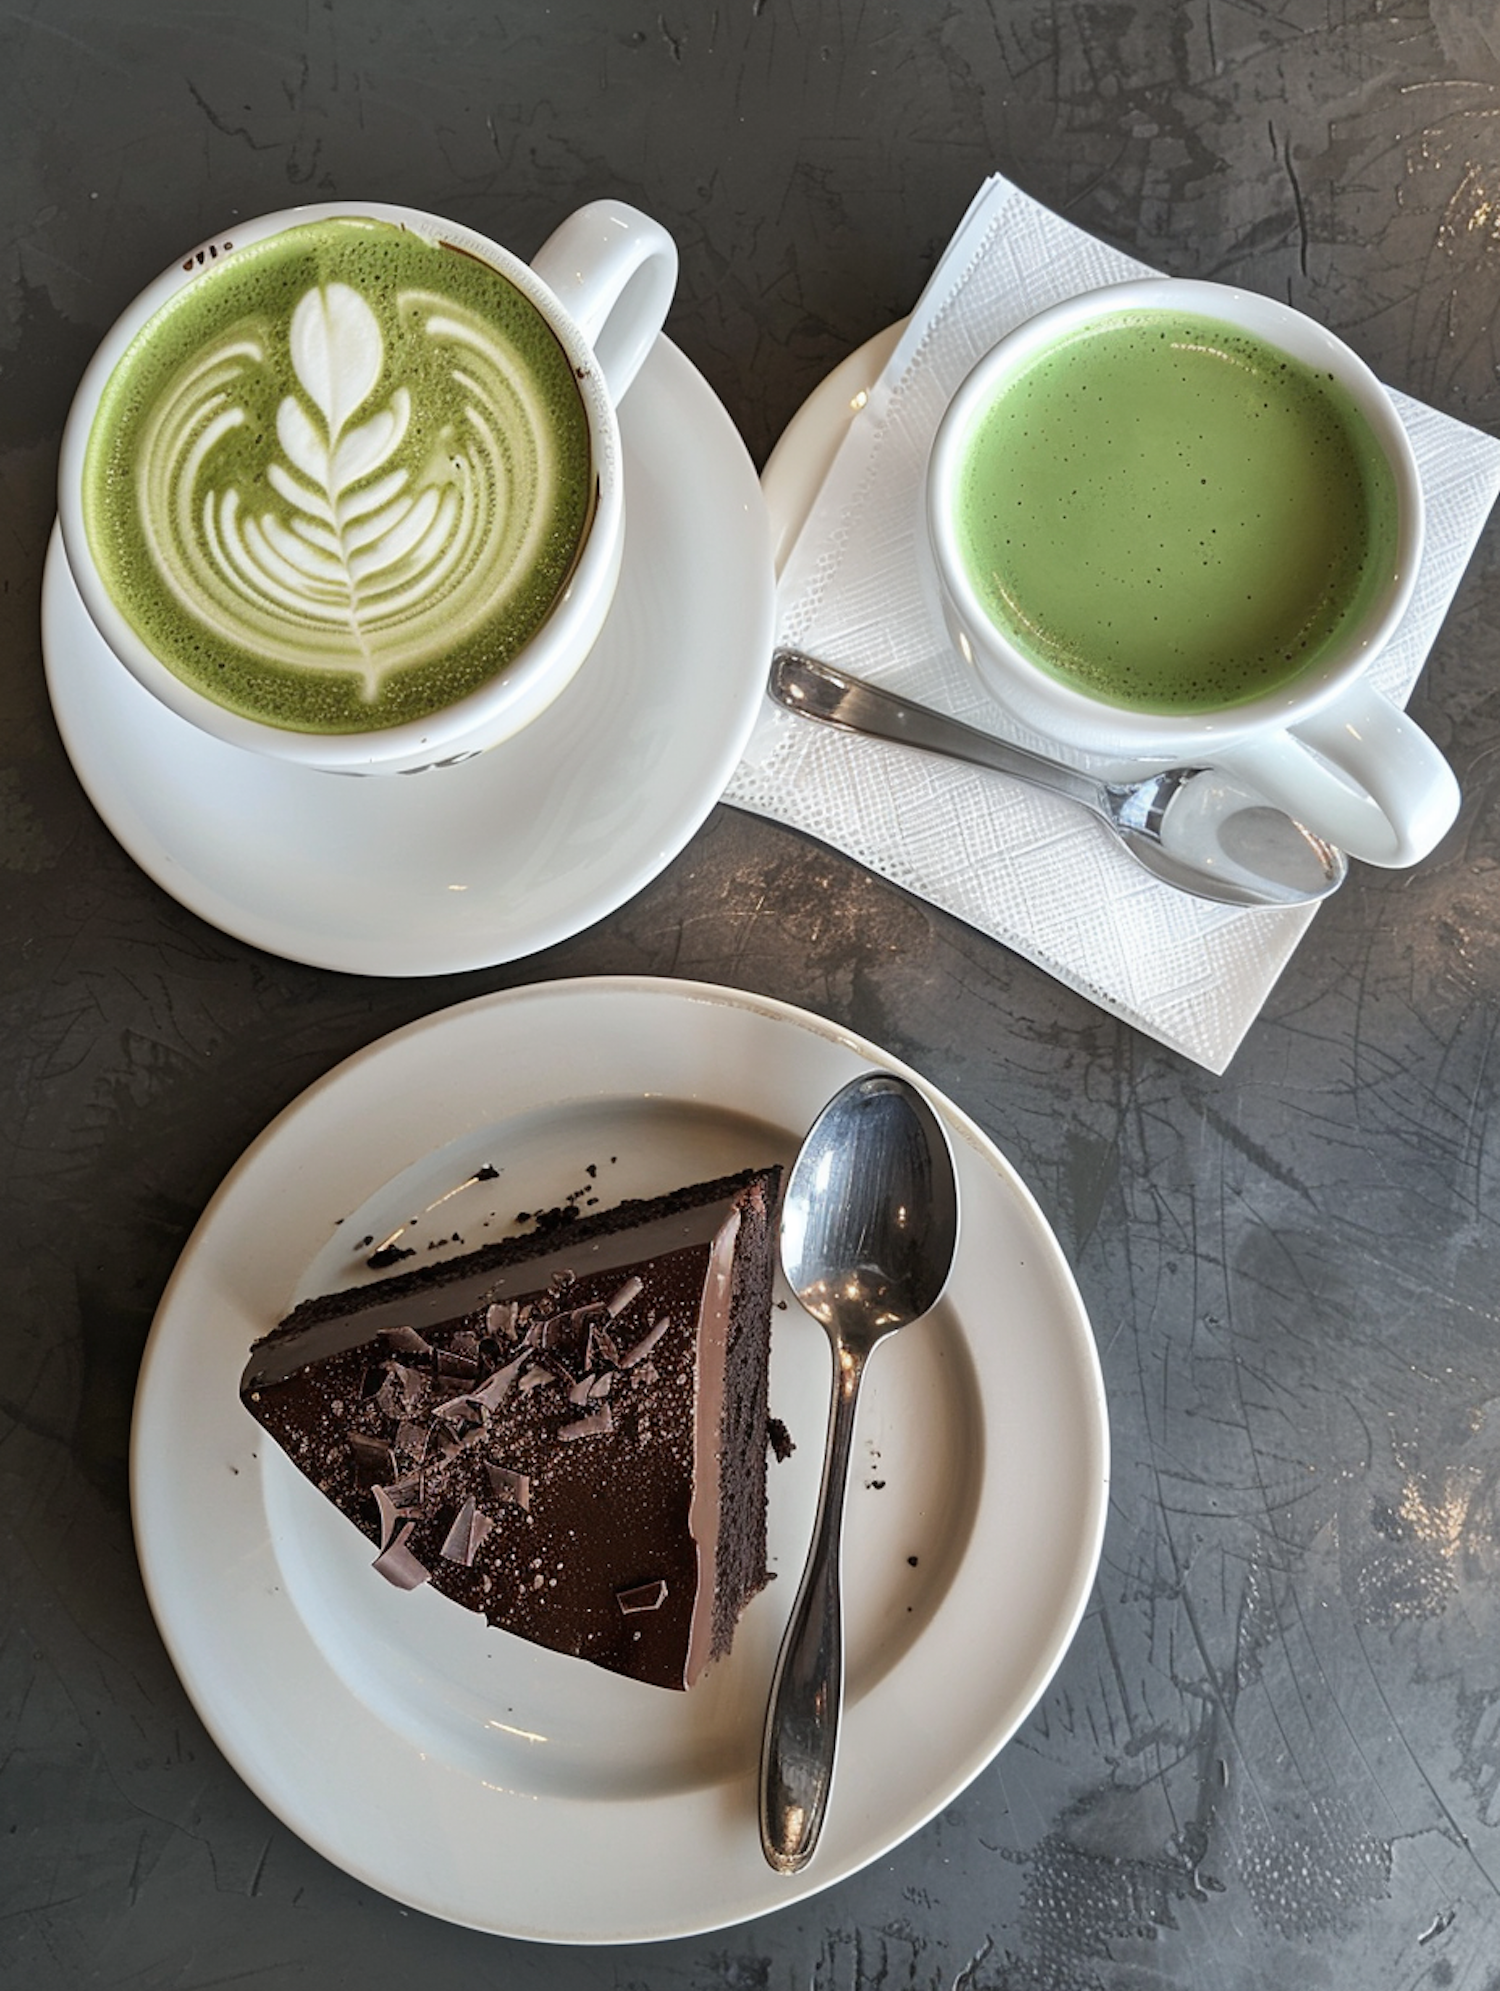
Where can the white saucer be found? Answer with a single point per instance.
(806, 447)
(485, 1780)
(468, 866)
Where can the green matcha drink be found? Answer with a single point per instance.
(339, 480)
(1172, 516)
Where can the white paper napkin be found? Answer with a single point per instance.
(1036, 873)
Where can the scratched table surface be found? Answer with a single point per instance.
(1272, 1754)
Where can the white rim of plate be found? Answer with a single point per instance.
(999, 1608)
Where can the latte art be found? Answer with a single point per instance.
(353, 498)
(373, 562)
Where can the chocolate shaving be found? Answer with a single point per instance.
(647, 1342)
(466, 1535)
(493, 1391)
(395, 1503)
(452, 1364)
(406, 1339)
(510, 1486)
(642, 1597)
(501, 1319)
(412, 1438)
(564, 1335)
(448, 1443)
(373, 1457)
(402, 1389)
(597, 1424)
(398, 1565)
(602, 1346)
(619, 1301)
(460, 1413)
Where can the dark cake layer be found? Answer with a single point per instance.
(564, 1431)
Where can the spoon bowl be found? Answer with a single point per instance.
(869, 1229)
(1196, 828)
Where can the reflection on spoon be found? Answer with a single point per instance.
(869, 1227)
(1196, 828)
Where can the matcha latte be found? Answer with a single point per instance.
(340, 479)
(1171, 515)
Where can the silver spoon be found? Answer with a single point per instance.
(869, 1227)
(1197, 828)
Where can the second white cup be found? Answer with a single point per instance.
(1173, 523)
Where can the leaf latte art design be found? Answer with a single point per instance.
(371, 532)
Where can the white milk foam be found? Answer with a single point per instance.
(372, 564)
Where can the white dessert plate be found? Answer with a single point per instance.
(468, 866)
(510, 1789)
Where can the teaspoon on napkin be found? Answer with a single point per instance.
(1196, 828)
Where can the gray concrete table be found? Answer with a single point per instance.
(1272, 1755)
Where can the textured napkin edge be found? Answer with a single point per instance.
(1212, 1018)
(1215, 1037)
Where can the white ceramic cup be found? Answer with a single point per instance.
(1327, 747)
(603, 281)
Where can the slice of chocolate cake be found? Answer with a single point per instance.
(565, 1431)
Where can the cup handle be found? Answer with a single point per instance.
(613, 270)
(1358, 772)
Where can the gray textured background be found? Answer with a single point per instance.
(1272, 1756)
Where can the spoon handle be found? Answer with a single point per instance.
(821, 691)
(807, 1690)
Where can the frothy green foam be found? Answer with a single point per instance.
(338, 481)
(1172, 515)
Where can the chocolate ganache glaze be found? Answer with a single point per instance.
(564, 1431)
